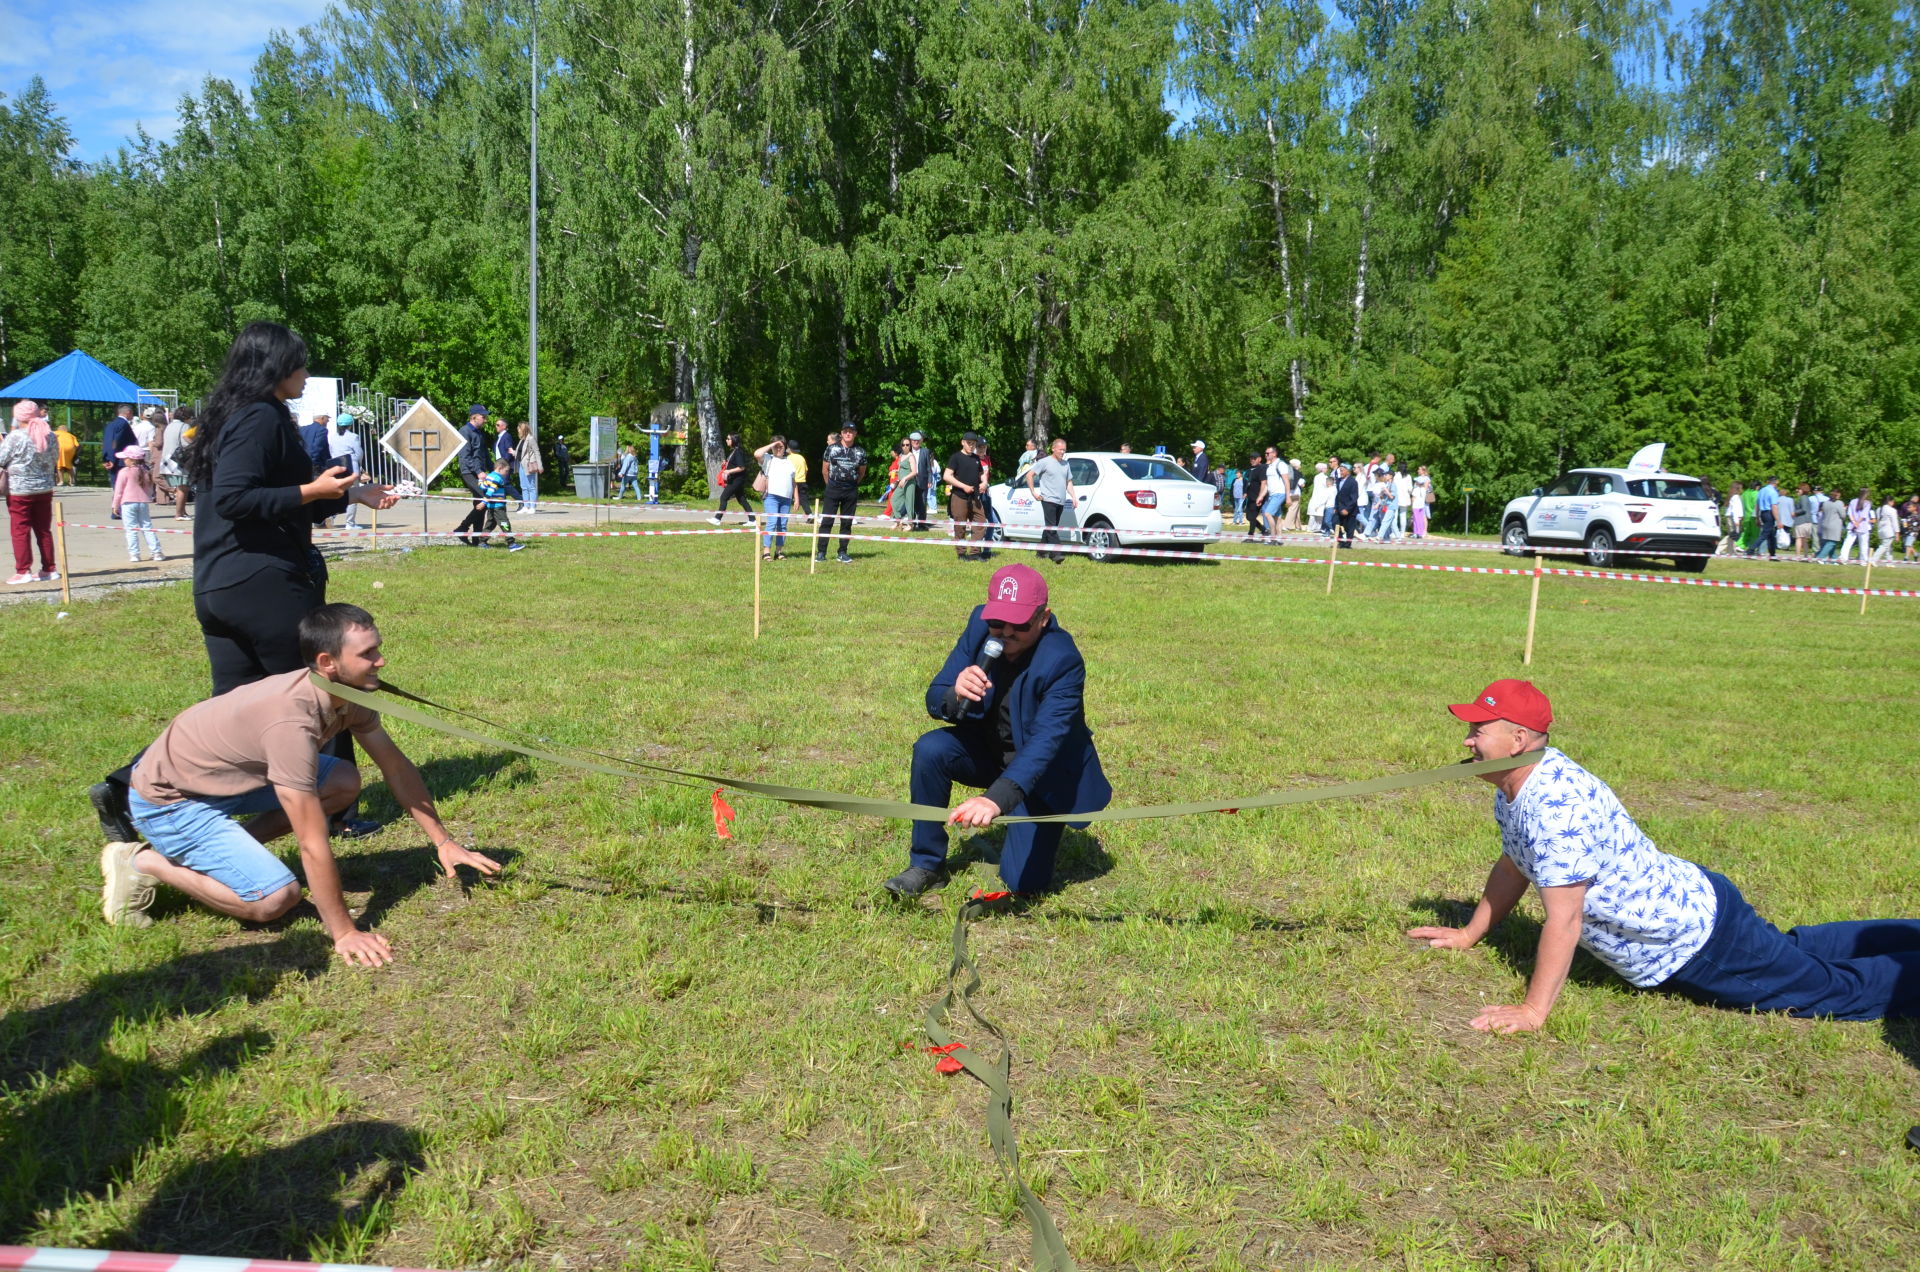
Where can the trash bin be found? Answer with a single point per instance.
(590, 480)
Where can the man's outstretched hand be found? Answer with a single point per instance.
(364, 949)
(452, 855)
(1444, 938)
(978, 811)
(1509, 1020)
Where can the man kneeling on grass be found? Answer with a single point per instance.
(256, 749)
(1661, 922)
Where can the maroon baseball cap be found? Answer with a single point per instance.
(1515, 700)
(1014, 595)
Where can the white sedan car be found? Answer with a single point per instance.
(1121, 501)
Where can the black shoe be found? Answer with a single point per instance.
(844, 559)
(109, 799)
(911, 882)
(819, 556)
(1913, 1138)
(354, 827)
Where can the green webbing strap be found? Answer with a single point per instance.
(895, 809)
(1049, 1250)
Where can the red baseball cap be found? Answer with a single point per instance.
(1515, 700)
(1014, 595)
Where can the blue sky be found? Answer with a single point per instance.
(112, 65)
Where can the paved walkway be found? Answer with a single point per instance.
(97, 558)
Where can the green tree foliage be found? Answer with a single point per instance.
(1496, 236)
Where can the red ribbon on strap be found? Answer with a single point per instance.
(722, 814)
(946, 1063)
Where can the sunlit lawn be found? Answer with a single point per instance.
(649, 1048)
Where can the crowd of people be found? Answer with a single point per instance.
(1817, 523)
(1376, 501)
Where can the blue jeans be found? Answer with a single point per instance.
(626, 484)
(1383, 523)
(1767, 539)
(1326, 520)
(1860, 970)
(945, 756)
(775, 508)
(202, 835)
(1829, 548)
(529, 488)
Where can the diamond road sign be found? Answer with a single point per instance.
(423, 441)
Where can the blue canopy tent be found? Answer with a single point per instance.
(79, 377)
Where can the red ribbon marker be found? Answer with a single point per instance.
(722, 814)
(946, 1063)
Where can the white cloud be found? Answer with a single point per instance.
(111, 65)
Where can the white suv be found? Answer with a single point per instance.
(1609, 513)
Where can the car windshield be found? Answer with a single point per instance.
(1151, 468)
(1668, 488)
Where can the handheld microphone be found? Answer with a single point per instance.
(988, 652)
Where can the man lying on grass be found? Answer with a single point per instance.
(256, 749)
(1661, 922)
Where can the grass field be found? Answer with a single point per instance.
(646, 1048)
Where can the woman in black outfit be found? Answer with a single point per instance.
(255, 569)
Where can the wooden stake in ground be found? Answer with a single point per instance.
(814, 563)
(60, 549)
(375, 542)
(753, 537)
(1333, 554)
(1533, 610)
(1866, 583)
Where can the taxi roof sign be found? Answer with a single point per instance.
(423, 441)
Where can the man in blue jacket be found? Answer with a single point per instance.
(1016, 726)
(1346, 505)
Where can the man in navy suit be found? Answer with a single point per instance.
(1346, 505)
(1017, 727)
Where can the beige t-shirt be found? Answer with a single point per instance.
(266, 733)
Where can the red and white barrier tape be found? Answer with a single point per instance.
(801, 541)
(53, 1259)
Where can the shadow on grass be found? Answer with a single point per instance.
(333, 1189)
(81, 1139)
(1081, 858)
(1514, 941)
(447, 775)
(41, 1041)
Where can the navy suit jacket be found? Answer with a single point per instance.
(1347, 497)
(118, 437)
(1053, 760)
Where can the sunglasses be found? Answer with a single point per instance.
(1000, 625)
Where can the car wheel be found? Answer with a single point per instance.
(1100, 540)
(1514, 537)
(1691, 564)
(1600, 548)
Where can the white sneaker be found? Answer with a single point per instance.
(49, 576)
(714, 520)
(20, 578)
(157, 557)
(125, 893)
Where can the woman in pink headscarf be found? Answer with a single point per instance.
(28, 455)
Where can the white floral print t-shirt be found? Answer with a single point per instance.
(1646, 913)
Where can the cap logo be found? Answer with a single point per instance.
(1489, 701)
(1009, 589)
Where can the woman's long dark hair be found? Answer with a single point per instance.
(263, 354)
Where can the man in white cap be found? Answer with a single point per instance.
(1016, 725)
(1201, 465)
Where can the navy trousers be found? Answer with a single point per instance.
(1860, 970)
(945, 756)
